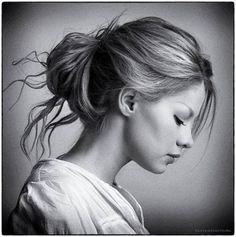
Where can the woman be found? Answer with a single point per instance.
(141, 90)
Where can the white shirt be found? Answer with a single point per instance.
(62, 198)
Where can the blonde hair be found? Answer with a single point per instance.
(149, 55)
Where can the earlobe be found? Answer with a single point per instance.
(127, 101)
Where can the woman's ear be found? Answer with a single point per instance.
(127, 101)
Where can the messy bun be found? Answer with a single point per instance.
(149, 55)
(68, 72)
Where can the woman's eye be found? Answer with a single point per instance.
(178, 121)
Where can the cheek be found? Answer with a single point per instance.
(149, 135)
(161, 127)
(149, 143)
(137, 139)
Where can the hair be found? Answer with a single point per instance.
(148, 55)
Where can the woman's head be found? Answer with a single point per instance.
(148, 56)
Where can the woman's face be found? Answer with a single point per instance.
(158, 132)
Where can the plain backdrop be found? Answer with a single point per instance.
(195, 195)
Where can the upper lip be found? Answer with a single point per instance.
(174, 155)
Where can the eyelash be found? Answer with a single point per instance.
(178, 121)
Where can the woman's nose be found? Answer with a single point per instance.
(185, 140)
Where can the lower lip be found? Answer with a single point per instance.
(170, 160)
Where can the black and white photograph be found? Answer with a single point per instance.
(118, 118)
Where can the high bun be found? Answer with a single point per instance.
(68, 72)
(148, 55)
(72, 74)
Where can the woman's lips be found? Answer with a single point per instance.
(171, 158)
(174, 155)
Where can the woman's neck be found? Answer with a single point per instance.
(103, 153)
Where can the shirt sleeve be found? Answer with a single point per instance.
(43, 208)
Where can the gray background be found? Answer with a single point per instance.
(194, 196)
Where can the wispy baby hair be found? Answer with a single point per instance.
(148, 55)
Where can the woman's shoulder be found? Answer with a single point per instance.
(71, 200)
(44, 207)
(52, 175)
(50, 195)
(54, 170)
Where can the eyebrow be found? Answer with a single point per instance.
(189, 108)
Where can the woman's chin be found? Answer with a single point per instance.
(158, 169)
(157, 166)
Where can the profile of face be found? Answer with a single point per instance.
(156, 133)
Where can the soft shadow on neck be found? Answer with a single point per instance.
(100, 152)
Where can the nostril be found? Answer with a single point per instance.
(186, 145)
(189, 144)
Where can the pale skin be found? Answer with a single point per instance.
(153, 134)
